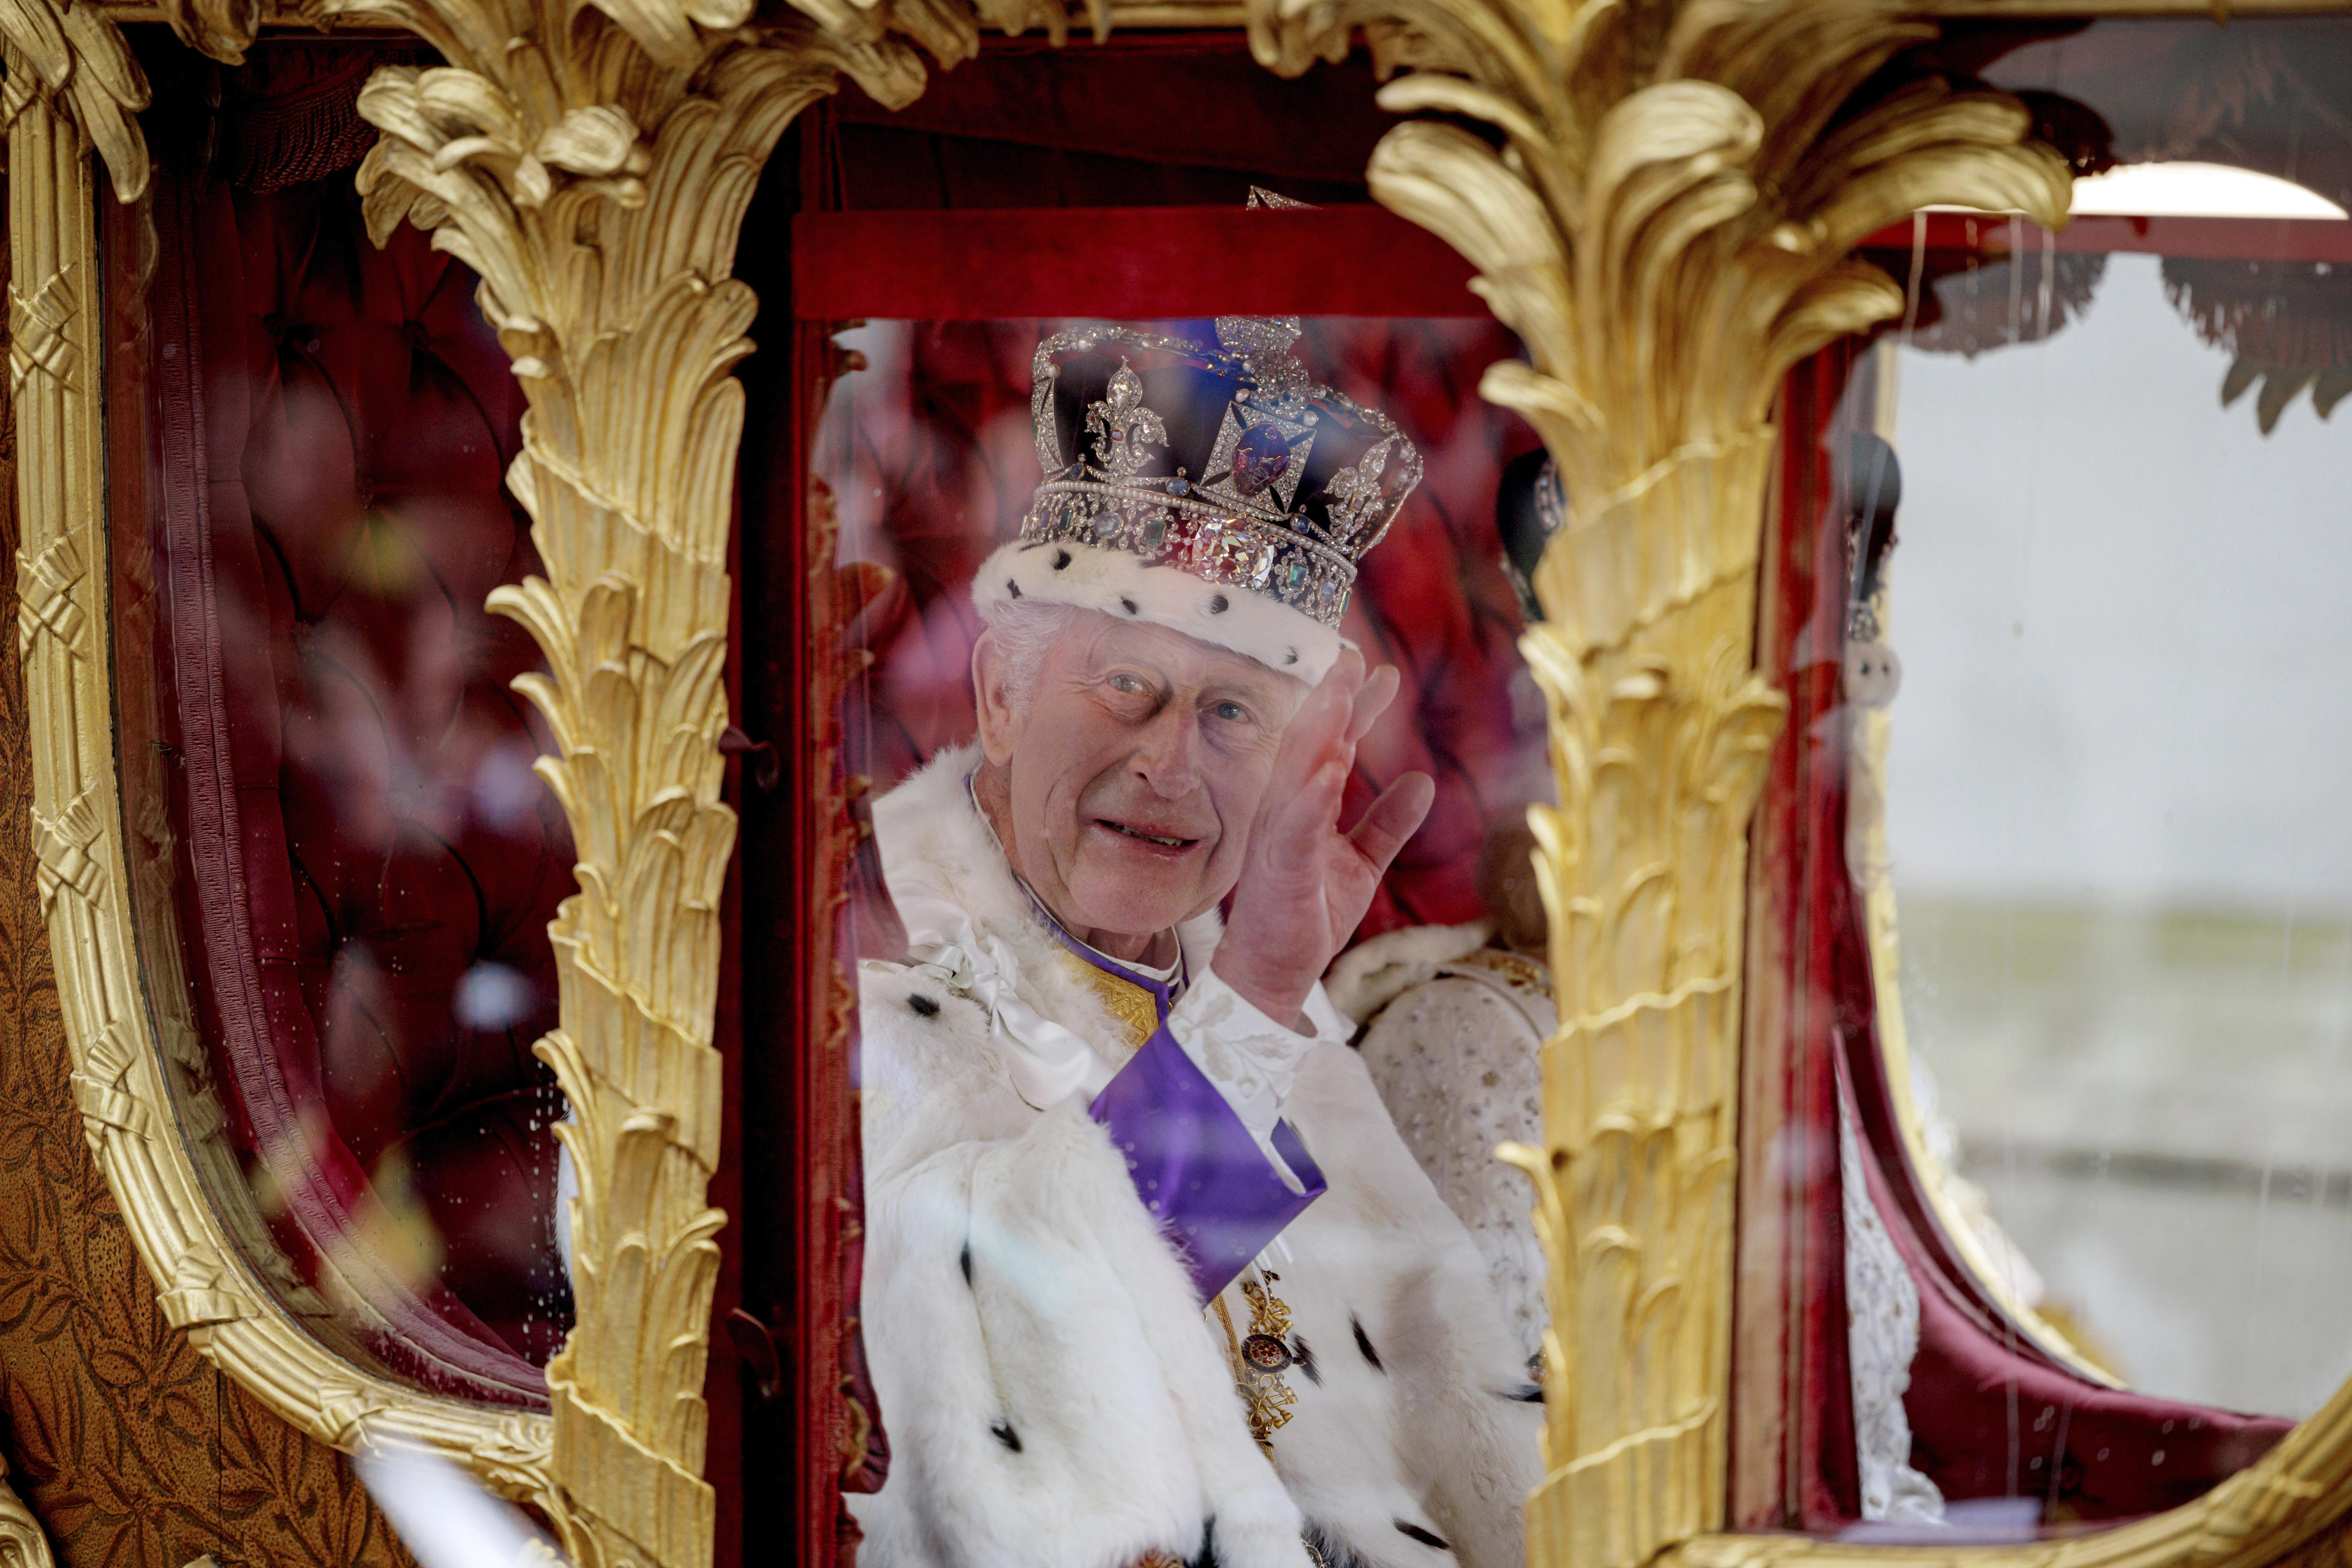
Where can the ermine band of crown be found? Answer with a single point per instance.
(1276, 533)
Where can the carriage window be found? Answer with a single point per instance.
(2052, 928)
(2113, 826)
(1111, 570)
(344, 864)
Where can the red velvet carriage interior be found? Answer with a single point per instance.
(366, 862)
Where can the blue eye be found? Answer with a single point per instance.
(1127, 683)
(1231, 712)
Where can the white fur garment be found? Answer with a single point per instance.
(1053, 1395)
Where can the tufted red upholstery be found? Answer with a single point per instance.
(368, 863)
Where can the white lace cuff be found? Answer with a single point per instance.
(1247, 1056)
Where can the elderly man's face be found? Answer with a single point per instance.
(1134, 768)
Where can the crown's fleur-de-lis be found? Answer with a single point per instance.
(1122, 428)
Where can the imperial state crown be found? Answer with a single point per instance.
(1220, 491)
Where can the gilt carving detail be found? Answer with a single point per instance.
(36, 335)
(45, 600)
(597, 191)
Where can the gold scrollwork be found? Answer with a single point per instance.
(593, 167)
(70, 59)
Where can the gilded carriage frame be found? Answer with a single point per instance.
(1660, 163)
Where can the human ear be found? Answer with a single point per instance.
(999, 728)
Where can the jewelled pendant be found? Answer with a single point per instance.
(1260, 1359)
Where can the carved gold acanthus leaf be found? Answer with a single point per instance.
(70, 55)
(1667, 225)
(73, 58)
(597, 190)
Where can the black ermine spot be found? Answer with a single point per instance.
(1061, 559)
(1219, 605)
(1416, 1533)
(1306, 1359)
(1001, 1430)
(1364, 1343)
(964, 1262)
(1012, 587)
(1290, 655)
(1527, 1394)
(1127, 604)
(924, 1006)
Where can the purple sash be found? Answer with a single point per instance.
(1194, 1166)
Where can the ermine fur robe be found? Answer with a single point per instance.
(1055, 1395)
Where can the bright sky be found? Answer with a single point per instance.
(2197, 190)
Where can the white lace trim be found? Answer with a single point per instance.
(1883, 1338)
(1456, 1059)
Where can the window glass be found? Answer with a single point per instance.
(2113, 828)
(2073, 959)
(344, 864)
(2049, 947)
(1104, 546)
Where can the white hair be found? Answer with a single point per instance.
(1023, 630)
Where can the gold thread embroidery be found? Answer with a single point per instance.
(1131, 1007)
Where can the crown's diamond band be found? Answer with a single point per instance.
(1210, 543)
